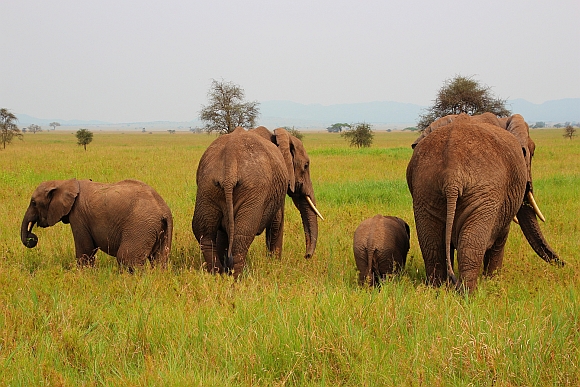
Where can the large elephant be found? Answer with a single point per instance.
(242, 180)
(380, 246)
(469, 178)
(127, 220)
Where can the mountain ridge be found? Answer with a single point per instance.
(277, 113)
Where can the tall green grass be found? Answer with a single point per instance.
(285, 322)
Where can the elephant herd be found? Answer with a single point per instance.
(469, 178)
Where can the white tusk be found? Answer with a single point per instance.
(314, 207)
(516, 221)
(29, 226)
(535, 206)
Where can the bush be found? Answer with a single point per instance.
(360, 135)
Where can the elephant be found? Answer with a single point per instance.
(469, 177)
(242, 179)
(127, 220)
(380, 246)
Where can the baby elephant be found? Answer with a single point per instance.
(127, 220)
(380, 247)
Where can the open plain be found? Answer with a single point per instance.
(290, 321)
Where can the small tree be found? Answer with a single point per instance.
(539, 125)
(569, 131)
(463, 95)
(54, 125)
(84, 137)
(8, 128)
(171, 131)
(33, 128)
(294, 132)
(360, 135)
(227, 109)
(337, 128)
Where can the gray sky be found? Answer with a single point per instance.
(128, 60)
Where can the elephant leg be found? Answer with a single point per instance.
(210, 250)
(275, 234)
(431, 236)
(240, 251)
(469, 260)
(85, 248)
(493, 259)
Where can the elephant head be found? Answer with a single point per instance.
(51, 202)
(526, 216)
(299, 184)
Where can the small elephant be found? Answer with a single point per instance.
(380, 247)
(127, 220)
(242, 181)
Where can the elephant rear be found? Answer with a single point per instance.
(380, 247)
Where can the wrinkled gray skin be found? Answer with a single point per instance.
(242, 180)
(380, 246)
(469, 177)
(127, 220)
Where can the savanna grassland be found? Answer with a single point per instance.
(285, 322)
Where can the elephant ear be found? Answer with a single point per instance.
(62, 195)
(283, 141)
(517, 126)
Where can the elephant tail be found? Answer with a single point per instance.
(229, 196)
(371, 263)
(451, 195)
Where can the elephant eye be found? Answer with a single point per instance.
(306, 166)
(32, 203)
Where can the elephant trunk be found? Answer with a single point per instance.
(309, 222)
(28, 238)
(529, 224)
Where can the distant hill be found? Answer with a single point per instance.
(25, 120)
(292, 113)
(560, 110)
(287, 113)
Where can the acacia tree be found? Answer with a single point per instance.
(569, 131)
(33, 128)
(227, 109)
(8, 128)
(360, 135)
(84, 137)
(463, 95)
(54, 125)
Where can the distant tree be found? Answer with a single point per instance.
(84, 137)
(171, 131)
(143, 130)
(558, 126)
(463, 95)
(359, 135)
(295, 132)
(539, 125)
(33, 128)
(569, 131)
(8, 128)
(54, 125)
(338, 127)
(227, 109)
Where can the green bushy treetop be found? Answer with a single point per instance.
(84, 137)
(463, 95)
(359, 135)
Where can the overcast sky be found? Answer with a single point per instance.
(128, 60)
